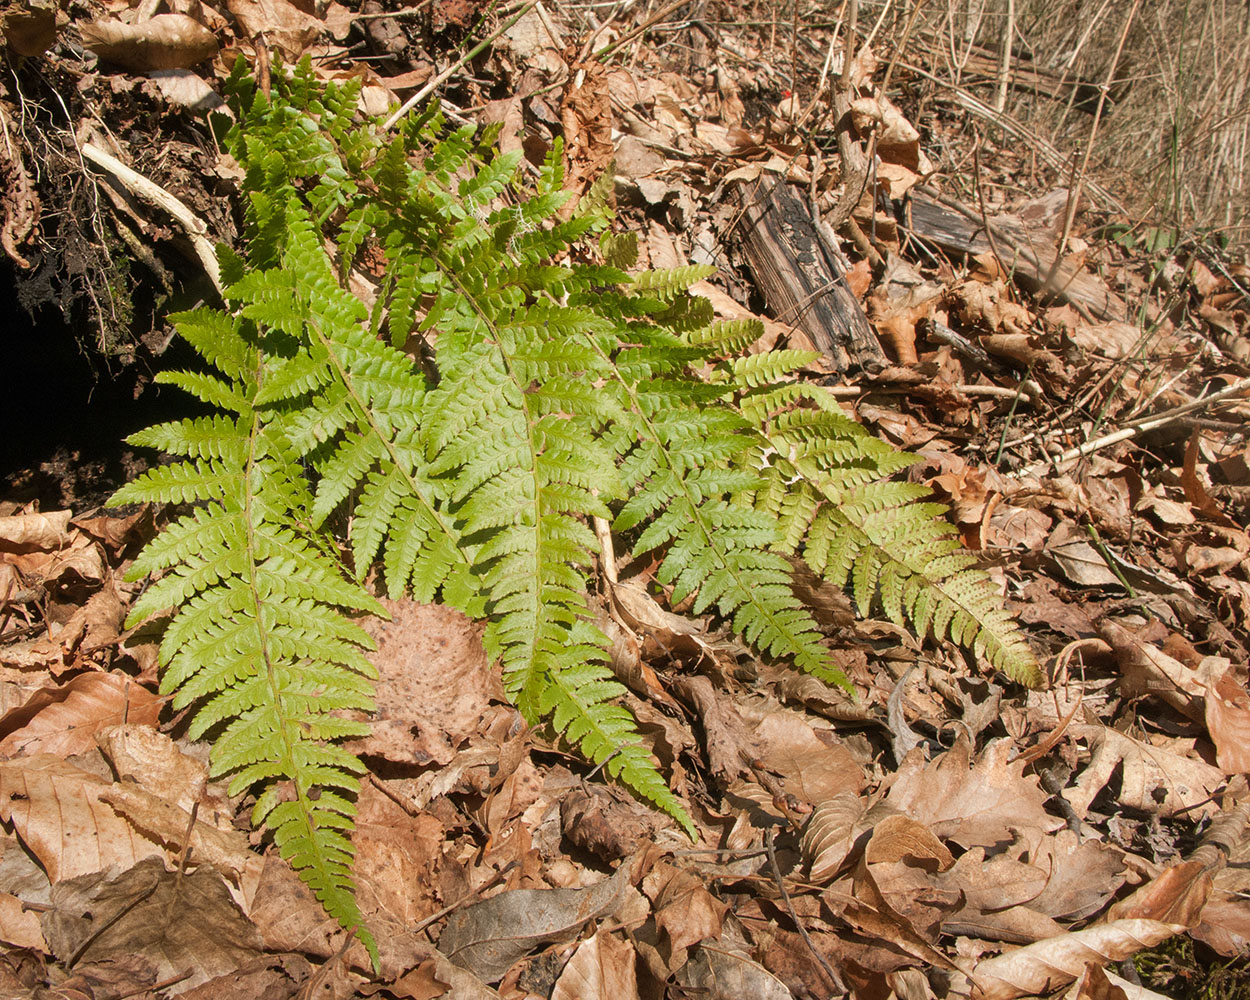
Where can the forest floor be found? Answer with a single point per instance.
(1078, 395)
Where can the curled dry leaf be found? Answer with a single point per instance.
(35, 532)
(829, 834)
(167, 41)
(1176, 896)
(1048, 965)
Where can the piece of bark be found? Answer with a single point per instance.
(802, 280)
(1026, 252)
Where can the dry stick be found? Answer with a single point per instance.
(1141, 425)
(785, 896)
(403, 12)
(442, 77)
(646, 25)
(1004, 67)
(1075, 195)
(155, 195)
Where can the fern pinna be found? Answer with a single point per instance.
(466, 417)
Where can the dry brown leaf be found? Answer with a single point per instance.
(183, 924)
(1081, 875)
(684, 910)
(874, 916)
(176, 772)
(586, 115)
(602, 968)
(35, 532)
(998, 895)
(1077, 558)
(1195, 492)
(1225, 925)
(592, 820)
(227, 850)
(901, 858)
(981, 803)
(1048, 965)
(58, 811)
(398, 858)
(901, 299)
(1154, 779)
(22, 881)
(435, 681)
(290, 919)
(1228, 722)
(1113, 339)
(727, 974)
(282, 25)
(489, 936)
(29, 29)
(1146, 669)
(186, 89)
(166, 41)
(65, 719)
(1176, 896)
(813, 766)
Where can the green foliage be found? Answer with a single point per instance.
(548, 388)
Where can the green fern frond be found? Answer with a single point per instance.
(850, 524)
(549, 387)
(259, 641)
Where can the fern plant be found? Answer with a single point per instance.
(548, 386)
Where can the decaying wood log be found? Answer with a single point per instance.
(802, 280)
(1027, 253)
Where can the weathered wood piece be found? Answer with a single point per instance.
(1026, 252)
(802, 280)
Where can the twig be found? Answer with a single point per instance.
(646, 25)
(785, 897)
(446, 74)
(1141, 425)
(403, 12)
(154, 194)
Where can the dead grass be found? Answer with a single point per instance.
(1174, 137)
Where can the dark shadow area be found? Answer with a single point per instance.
(66, 408)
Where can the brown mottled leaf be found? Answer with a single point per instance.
(166, 41)
(186, 924)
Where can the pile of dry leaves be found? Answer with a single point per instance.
(1082, 410)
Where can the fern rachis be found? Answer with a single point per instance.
(558, 391)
